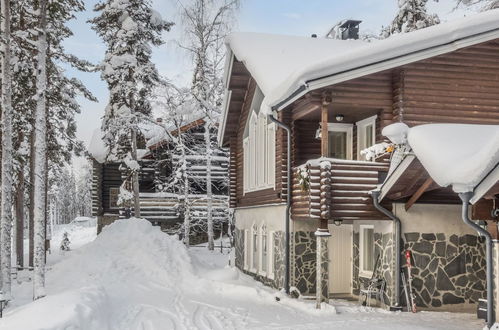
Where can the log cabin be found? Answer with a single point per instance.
(161, 201)
(298, 114)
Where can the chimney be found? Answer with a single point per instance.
(350, 29)
(345, 30)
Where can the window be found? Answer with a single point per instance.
(264, 258)
(114, 194)
(270, 268)
(366, 134)
(254, 245)
(340, 140)
(258, 149)
(246, 250)
(366, 249)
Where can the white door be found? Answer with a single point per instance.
(340, 256)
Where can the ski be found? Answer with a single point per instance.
(404, 283)
(409, 280)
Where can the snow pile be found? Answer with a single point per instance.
(456, 154)
(103, 281)
(397, 133)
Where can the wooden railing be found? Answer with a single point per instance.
(336, 189)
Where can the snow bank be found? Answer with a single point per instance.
(96, 286)
(456, 154)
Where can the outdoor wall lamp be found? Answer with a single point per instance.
(340, 117)
(338, 222)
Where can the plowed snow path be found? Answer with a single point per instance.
(135, 277)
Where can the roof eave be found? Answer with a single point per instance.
(229, 61)
(385, 65)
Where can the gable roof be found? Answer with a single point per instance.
(287, 67)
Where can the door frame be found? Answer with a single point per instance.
(350, 263)
(342, 127)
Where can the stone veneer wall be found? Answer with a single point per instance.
(448, 269)
(279, 262)
(304, 263)
(383, 246)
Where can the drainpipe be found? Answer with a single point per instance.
(288, 199)
(465, 197)
(398, 228)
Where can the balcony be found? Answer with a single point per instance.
(336, 189)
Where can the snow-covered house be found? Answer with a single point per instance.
(160, 198)
(352, 90)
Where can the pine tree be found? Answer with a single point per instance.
(40, 153)
(6, 185)
(207, 23)
(128, 28)
(482, 5)
(412, 15)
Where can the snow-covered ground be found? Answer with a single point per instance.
(133, 276)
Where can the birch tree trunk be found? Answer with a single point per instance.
(209, 194)
(40, 165)
(6, 194)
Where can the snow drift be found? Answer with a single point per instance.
(97, 285)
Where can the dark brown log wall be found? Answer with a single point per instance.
(459, 87)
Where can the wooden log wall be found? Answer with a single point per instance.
(459, 87)
(97, 209)
(261, 197)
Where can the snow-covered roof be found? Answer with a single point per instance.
(287, 67)
(271, 58)
(97, 148)
(457, 155)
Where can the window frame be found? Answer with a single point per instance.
(254, 249)
(111, 189)
(363, 272)
(259, 154)
(343, 127)
(262, 263)
(362, 136)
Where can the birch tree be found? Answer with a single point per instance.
(411, 15)
(6, 194)
(40, 154)
(128, 28)
(206, 24)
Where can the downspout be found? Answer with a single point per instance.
(398, 228)
(288, 199)
(465, 197)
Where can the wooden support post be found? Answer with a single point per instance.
(324, 128)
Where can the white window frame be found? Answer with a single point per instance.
(263, 233)
(348, 128)
(247, 250)
(361, 134)
(255, 262)
(270, 255)
(258, 150)
(362, 271)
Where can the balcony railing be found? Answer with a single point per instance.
(336, 189)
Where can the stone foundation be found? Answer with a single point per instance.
(383, 246)
(448, 269)
(277, 281)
